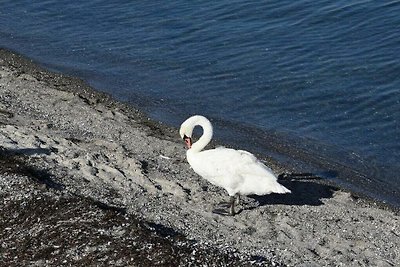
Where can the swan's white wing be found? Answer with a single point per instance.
(256, 177)
(237, 171)
(213, 164)
(226, 161)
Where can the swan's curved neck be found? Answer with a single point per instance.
(205, 138)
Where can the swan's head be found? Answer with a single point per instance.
(186, 131)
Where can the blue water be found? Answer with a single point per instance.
(315, 84)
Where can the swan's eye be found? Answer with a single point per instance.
(185, 137)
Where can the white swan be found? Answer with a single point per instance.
(238, 171)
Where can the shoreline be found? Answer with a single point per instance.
(93, 146)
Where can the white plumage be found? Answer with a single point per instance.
(238, 171)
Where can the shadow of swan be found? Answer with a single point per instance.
(307, 189)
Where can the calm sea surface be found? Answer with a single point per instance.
(315, 84)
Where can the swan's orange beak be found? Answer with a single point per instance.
(188, 141)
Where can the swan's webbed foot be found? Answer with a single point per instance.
(224, 204)
(221, 211)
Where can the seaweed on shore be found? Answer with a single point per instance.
(71, 230)
(58, 228)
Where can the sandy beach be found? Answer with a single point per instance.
(86, 180)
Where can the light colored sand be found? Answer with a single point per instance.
(101, 150)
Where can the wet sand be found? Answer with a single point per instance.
(86, 180)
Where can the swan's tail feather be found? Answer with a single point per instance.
(280, 189)
(261, 185)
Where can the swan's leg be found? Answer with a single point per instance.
(232, 201)
(237, 199)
